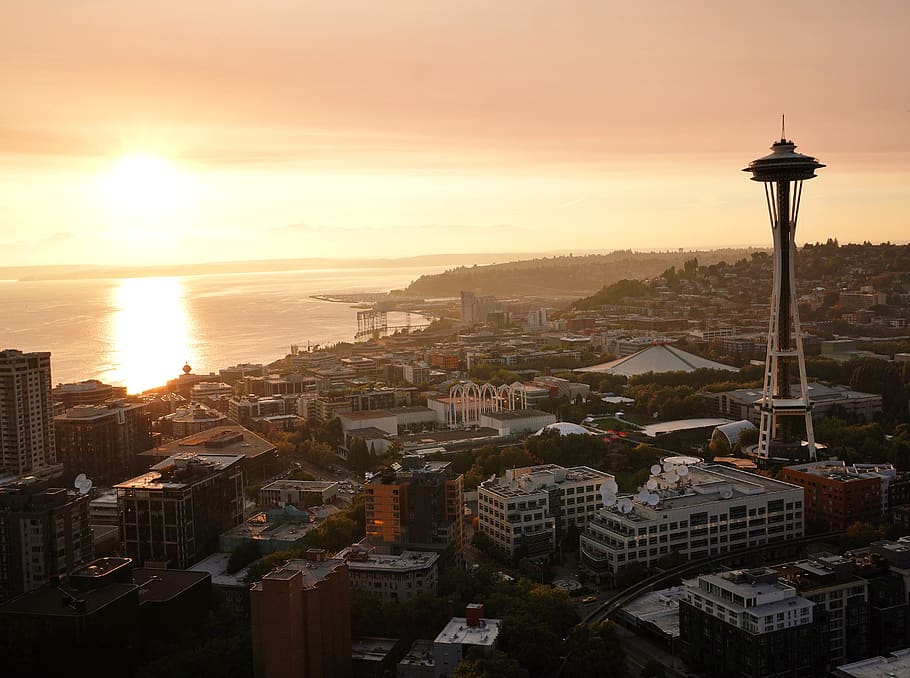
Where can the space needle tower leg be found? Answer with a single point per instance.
(782, 173)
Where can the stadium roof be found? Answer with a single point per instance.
(657, 358)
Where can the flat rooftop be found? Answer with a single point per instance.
(216, 567)
(301, 485)
(660, 608)
(368, 648)
(180, 471)
(314, 571)
(513, 415)
(419, 654)
(408, 560)
(457, 632)
(366, 415)
(218, 439)
(894, 665)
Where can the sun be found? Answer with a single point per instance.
(147, 186)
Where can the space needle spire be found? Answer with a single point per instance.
(782, 173)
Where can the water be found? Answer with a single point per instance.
(140, 331)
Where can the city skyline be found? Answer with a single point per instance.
(137, 134)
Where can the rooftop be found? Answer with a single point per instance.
(512, 415)
(225, 439)
(313, 571)
(181, 470)
(657, 358)
(894, 665)
(660, 608)
(372, 649)
(457, 632)
(420, 654)
(361, 559)
(301, 485)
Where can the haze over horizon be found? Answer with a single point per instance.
(142, 134)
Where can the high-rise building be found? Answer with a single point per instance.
(44, 533)
(26, 431)
(174, 513)
(102, 440)
(468, 308)
(300, 619)
(782, 172)
(417, 507)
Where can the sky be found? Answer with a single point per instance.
(139, 132)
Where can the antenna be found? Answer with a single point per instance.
(783, 127)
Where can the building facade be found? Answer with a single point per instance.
(837, 495)
(27, 443)
(419, 507)
(300, 620)
(747, 623)
(714, 509)
(174, 513)
(528, 510)
(44, 533)
(102, 440)
(392, 578)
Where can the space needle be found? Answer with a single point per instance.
(783, 172)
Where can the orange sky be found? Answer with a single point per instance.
(345, 128)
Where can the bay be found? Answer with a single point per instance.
(139, 332)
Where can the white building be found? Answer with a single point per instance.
(299, 493)
(755, 601)
(392, 578)
(460, 635)
(710, 509)
(517, 422)
(530, 508)
(195, 418)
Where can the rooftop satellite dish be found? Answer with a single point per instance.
(611, 483)
(83, 484)
(652, 484)
(653, 499)
(726, 493)
(672, 478)
(655, 469)
(606, 493)
(643, 496)
(609, 500)
(682, 471)
(667, 467)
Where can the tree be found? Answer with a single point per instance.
(653, 669)
(242, 556)
(359, 458)
(483, 663)
(591, 648)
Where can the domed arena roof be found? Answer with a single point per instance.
(565, 428)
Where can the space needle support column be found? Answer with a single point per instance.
(782, 173)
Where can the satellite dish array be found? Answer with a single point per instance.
(83, 484)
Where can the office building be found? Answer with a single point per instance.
(418, 506)
(528, 510)
(392, 578)
(300, 619)
(893, 665)
(174, 513)
(747, 623)
(44, 534)
(708, 510)
(27, 443)
(102, 440)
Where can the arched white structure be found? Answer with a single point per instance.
(469, 400)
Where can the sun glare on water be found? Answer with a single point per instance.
(147, 187)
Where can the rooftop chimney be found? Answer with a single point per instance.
(474, 614)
